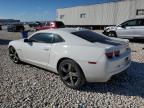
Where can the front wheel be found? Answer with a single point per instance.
(71, 74)
(112, 34)
(13, 55)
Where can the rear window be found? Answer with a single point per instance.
(91, 36)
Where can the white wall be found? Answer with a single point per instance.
(101, 14)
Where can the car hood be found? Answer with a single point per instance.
(110, 28)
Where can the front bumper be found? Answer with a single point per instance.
(105, 32)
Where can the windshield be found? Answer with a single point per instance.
(91, 36)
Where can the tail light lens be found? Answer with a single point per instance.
(116, 53)
(109, 55)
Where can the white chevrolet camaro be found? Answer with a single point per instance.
(77, 55)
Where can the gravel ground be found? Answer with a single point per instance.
(26, 86)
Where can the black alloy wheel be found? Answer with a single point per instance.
(71, 74)
(13, 55)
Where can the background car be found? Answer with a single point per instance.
(76, 55)
(131, 29)
(34, 24)
(15, 28)
(49, 25)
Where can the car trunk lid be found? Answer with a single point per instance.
(113, 48)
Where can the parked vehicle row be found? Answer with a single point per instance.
(49, 25)
(15, 28)
(35, 26)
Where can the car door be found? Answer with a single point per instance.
(37, 50)
(138, 30)
(125, 30)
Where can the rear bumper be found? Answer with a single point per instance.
(104, 70)
(106, 76)
(120, 70)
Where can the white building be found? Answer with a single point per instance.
(100, 15)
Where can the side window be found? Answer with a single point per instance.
(83, 15)
(57, 39)
(62, 16)
(140, 22)
(140, 12)
(124, 24)
(42, 37)
(132, 23)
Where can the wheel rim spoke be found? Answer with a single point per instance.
(71, 80)
(74, 74)
(70, 74)
(64, 70)
(66, 77)
(11, 50)
(13, 55)
(69, 67)
(16, 58)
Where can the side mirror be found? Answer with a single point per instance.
(26, 40)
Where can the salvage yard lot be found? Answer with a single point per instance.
(27, 86)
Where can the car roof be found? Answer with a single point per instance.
(132, 19)
(66, 34)
(135, 18)
(67, 30)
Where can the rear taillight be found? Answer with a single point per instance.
(112, 54)
(109, 55)
(116, 53)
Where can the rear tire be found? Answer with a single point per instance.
(71, 74)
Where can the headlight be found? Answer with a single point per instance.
(106, 28)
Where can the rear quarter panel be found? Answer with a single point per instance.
(78, 53)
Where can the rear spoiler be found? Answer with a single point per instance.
(119, 39)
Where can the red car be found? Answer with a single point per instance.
(49, 25)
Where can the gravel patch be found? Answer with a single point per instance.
(27, 86)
